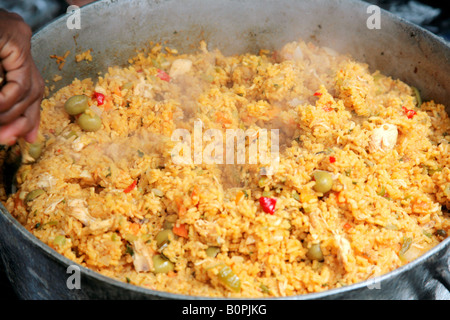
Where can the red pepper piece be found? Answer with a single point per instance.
(332, 159)
(409, 113)
(163, 75)
(268, 204)
(130, 187)
(100, 98)
(317, 94)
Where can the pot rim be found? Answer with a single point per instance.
(54, 255)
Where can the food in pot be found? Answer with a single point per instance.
(361, 186)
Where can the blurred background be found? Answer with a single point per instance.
(432, 15)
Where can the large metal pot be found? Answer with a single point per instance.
(113, 29)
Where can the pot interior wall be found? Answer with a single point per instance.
(115, 30)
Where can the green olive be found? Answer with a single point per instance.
(34, 194)
(229, 279)
(161, 264)
(212, 251)
(168, 224)
(35, 150)
(164, 237)
(315, 252)
(324, 181)
(76, 104)
(89, 122)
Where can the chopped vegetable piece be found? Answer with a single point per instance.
(230, 279)
(347, 226)
(268, 204)
(34, 194)
(264, 288)
(129, 249)
(382, 192)
(180, 230)
(168, 224)
(163, 237)
(59, 240)
(180, 206)
(163, 75)
(134, 228)
(100, 97)
(409, 113)
(418, 97)
(130, 187)
(267, 194)
(212, 251)
(332, 159)
(239, 196)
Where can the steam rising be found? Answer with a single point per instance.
(246, 93)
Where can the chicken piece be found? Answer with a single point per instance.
(46, 181)
(79, 210)
(344, 249)
(383, 138)
(208, 232)
(143, 89)
(142, 257)
(180, 67)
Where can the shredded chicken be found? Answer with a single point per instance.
(180, 67)
(344, 248)
(142, 257)
(46, 181)
(143, 89)
(208, 231)
(383, 138)
(79, 210)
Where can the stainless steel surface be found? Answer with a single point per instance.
(114, 29)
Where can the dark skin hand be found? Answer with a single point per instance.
(22, 88)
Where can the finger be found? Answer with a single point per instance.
(10, 94)
(35, 94)
(10, 132)
(16, 111)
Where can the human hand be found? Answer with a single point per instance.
(23, 87)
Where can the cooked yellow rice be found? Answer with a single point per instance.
(387, 206)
